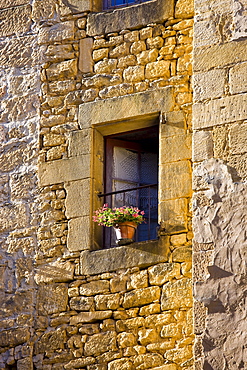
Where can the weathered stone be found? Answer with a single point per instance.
(163, 272)
(158, 69)
(134, 74)
(237, 138)
(61, 87)
(53, 340)
(58, 32)
(107, 301)
(138, 280)
(149, 309)
(126, 340)
(137, 47)
(55, 53)
(155, 42)
(15, 20)
(14, 337)
(66, 69)
(176, 294)
(220, 111)
(146, 336)
(130, 324)
(182, 254)
(122, 364)
(25, 363)
(119, 51)
(85, 317)
(141, 297)
(85, 58)
(209, 84)
(113, 91)
(154, 320)
(100, 343)
(180, 145)
(80, 362)
(94, 287)
(52, 298)
(148, 361)
(54, 272)
(105, 66)
(53, 140)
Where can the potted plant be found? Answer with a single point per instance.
(124, 218)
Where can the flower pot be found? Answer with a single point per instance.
(127, 229)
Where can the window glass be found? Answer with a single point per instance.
(109, 4)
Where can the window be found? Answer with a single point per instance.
(131, 162)
(112, 4)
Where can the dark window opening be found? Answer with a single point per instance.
(112, 4)
(131, 162)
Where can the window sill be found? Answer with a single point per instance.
(130, 17)
(142, 254)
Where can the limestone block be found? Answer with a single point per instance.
(134, 74)
(50, 341)
(171, 330)
(53, 140)
(75, 7)
(25, 363)
(182, 254)
(149, 309)
(131, 36)
(23, 108)
(147, 56)
(200, 314)
(119, 51)
(121, 364)
(179, 148)
(238, 79)
(126, 340)
(100, 343)
(14, 337)
(202, 145)
(14, 217)
(130, 106)
(155, 320)
(94, 287)
(64, 170)
(146, 361)
(137, 47)
(206, 33)
(141, 297)
(90, 317)
(201, 261)
(155, 42)
(100, 54)
(238, 137)
(184, 9)
(177, 294)
(52, 298)
(147, 336)
(85, 56)
(56, 53)
(80, 362)
(66, 69)
(15, 20)
(11, 3)
(113, 91)
(130, 324)
(165, 367)
(138, 280)
(239, 20)
(219, 111)
(77, 203)
(57, 33)
(107, 301)
(61, 87)
(24, 84)
(52, 120)
(128, 60)
(175, 180)
(158, 69)
(163, 272)
(79, 234)
(42, 11)
(209, 85)
(56, 271)
(217, 56)
(105, 66)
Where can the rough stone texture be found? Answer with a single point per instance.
(15, 20)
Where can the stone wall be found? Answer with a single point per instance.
(219, 206)
(58, 311)
(19, 124)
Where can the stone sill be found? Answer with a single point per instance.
(131, 17)
(141, 254)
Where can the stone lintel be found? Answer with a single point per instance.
(131, 17)
(125, 107)
(147, 254)
(63, 170)
(220, 111)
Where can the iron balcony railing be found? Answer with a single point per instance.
(144, 197)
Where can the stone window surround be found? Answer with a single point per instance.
(133, 16)
(82, 172)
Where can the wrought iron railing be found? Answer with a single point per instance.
(144, 197)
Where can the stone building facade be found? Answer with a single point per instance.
(71, 75)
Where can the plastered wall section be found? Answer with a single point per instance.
(219, 181)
